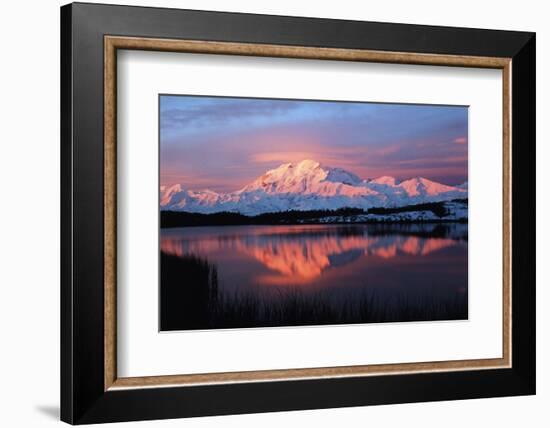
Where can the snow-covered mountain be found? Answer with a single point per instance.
(309, 185)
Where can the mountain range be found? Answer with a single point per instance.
(310, 185)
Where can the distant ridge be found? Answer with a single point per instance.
(309, 185)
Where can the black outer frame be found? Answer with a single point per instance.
(83, 399)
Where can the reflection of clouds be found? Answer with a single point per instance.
(300, 255)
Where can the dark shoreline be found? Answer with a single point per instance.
(173, 219)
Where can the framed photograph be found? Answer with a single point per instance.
(265, 213)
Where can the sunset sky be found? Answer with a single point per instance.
(222, 144)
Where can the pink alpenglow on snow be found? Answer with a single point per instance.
(310, 185)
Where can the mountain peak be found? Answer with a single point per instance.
(307, 164)
(303, 166)
(422, 186)
(307, 185)
(385, 179)
(306, 176)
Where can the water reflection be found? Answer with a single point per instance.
(301, 254)
(250, 276)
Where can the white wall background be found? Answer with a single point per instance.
(29, 190)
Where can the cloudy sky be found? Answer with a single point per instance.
(224, 143)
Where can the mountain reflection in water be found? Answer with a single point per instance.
(300, 254)
(247, 276)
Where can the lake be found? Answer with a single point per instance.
(262, 276)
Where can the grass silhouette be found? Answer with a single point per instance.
(191, 299)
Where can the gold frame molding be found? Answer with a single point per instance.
(113, 43)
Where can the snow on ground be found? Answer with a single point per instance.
(456, 211)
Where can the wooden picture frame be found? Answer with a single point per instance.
(91, 390)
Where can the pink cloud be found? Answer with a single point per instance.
(460, 140)
(282, 157)
(384, 151)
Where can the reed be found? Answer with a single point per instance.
(191, 299)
